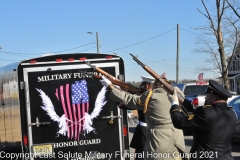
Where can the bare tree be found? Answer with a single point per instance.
(222, 36)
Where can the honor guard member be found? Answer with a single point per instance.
(139, 137)
(213, 124)
(163, 140)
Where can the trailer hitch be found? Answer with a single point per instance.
(110, 121)
(37, 123)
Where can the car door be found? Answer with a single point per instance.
(235, 103)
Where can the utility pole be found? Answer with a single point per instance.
(97, 39)
(98, 50)
(177, 59)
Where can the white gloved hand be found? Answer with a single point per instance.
(117, 87)
(105, 82)
(175, 97)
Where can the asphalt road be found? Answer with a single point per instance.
(188, 143)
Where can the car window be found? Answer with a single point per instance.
(236, 105)
(180, 86)
(195, 89)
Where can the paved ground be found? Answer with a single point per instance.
(188, 142)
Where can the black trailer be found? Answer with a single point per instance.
(52, 108)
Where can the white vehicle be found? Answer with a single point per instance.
(192, 91)
(198, 100)
(52, 109)
(195, 92)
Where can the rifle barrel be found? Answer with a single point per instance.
(169, 88)
(114, 80)
(136, 59)
(90, 65)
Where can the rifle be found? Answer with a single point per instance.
(167, 86)
(115, 81)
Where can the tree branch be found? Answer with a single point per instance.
(234, 10)
(210, 19)
(235, 42)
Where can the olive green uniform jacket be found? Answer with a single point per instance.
(163, 140)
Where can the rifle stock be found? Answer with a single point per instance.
(115, 81)
(167, 86)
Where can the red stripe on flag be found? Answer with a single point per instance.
(75, 121)
(79, 121)
(83, 114)
(69, 110)
(64, 107)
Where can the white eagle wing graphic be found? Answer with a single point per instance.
(49, 108)
(99, 103)
(63, 128)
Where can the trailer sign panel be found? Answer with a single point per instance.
(72, 105)
(61, 110)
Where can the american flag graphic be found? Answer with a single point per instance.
(75, 106)
(80, 98)
(200, 76)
